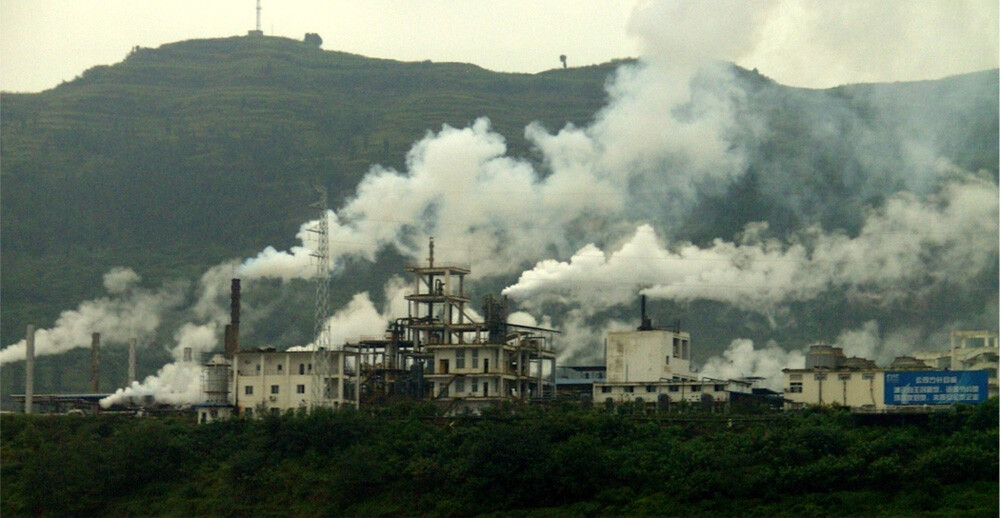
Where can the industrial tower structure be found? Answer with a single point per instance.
(473, 364)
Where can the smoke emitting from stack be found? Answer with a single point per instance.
(599, 216)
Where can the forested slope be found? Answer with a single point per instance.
(201, 151)
(404, 461)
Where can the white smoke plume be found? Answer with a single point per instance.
(885, 262)
(741, 360)
(177, 383)
(677, 126)
(128, 312)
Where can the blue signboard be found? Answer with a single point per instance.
(935, 387)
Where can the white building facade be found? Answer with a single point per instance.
(272, 381)
(653, 366)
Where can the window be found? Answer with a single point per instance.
(249, 412)
(695, 388)
(606, 389)
(720, 388)
(844, 377)
(629, 388)
(248, 390)
(685, 350)
(475, 359)
(677, 347)
(300, 389)
(795, 386)
(274, 389)
(475, 386)
(673, 388)
(650, 388)
(280, 367)
(302, 368)
(820, 377)
(459, 358)
(668, 360)
(460, 385)
(868, 376)
(258, 367)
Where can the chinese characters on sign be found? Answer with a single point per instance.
(935, 387)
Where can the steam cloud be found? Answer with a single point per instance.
(128, 312)
(679, 127)
(885, 261)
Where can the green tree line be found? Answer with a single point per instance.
(406, 460)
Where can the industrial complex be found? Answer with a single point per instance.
(439, 352)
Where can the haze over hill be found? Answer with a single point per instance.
(763, 217)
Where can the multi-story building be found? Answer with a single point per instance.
(969, 350)
(653, 366)
(830, 378)
(266, 380)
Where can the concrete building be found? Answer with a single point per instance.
(969, 350)
(272, 381)
(830, 378)
(653, 366)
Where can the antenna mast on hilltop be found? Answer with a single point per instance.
(321, 356)
(258, 15)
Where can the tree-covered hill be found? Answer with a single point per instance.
(199, 151)
(405, 461)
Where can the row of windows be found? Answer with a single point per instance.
(460, 358)
(670, 388)
(304, 368)
(275, 389)
(474, 385)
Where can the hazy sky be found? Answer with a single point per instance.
(804, 43)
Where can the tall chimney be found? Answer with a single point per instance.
(95, 366)
(232, 338)
(131, 362)
(647, 323)
(29, 369)
(95, 362)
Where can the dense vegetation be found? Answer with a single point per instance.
(405, 460)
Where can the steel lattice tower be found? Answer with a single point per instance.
(321, 332)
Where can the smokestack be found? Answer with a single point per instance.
(29, 369)
(131, 363)
(646, 324)
(95, 366)
(232, 338)
(95, 362)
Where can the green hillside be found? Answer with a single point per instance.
(184, 156)
(195, 152)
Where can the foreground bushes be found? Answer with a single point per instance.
(406, 461)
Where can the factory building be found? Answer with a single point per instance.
(653, 366)
(908, 383)
(266, 380)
